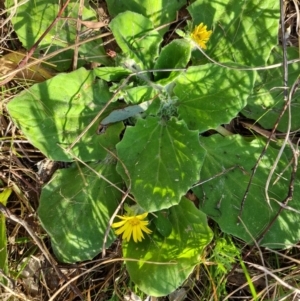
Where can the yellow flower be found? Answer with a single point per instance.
(132, 225)
(201, 35)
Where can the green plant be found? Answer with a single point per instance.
(78, 117)
(224, 256)
(4, 195)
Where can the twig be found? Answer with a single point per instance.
(119, 206)
(244, 68)
(292, 176)
(99, 114)
(282, 207)
(49, 258)
(218, 175)
(283, 283)
(256, 244)
(96, 266)
(24, 61)
(288, 105)
(78, 28)
(287, 99)
(125, 193)
(50, 55)
(89, 24)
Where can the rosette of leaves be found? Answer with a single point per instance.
(166, 96)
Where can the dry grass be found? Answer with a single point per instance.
(274, 275)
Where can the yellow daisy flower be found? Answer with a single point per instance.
(201, 35)
(132, 225)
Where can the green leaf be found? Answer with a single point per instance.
(164, 263)
(210, 95)
(162, 223)
(267, 99)
(111, 74)
(224, 255)
(137, 38)
(32, 18)
(139, 94)
(163, 164)
(53, 113)
(244, 32)
(93, 51)
(75, 208)
(126, 112)
(4, 195)
(160, 12)
(221, 197)
(175, 55)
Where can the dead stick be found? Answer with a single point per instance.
(24, 61)
(36, 239)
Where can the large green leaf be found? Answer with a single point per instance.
(111, 74)
(53, 113)
(163, 159)
(221, 197)
(267, 99)
(210, 95)
(32, 18)
(244, 32)
(126, 112)
(160, 12)
(164, 263)
(139, 94)
(175, 55)
(75, 208)
(137, 38)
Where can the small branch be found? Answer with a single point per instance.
(36, 239)
(24, 61)
(119, 206)
(78, 29)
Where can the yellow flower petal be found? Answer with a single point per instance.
(135, 234)
(132, 226)
(121, 230)
(118, 224)
(124, 217)
(201, 35)
(145, 229)
(142, 216)
(127, 233)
